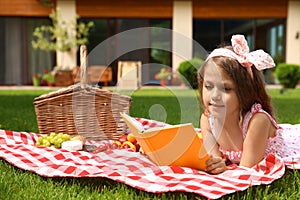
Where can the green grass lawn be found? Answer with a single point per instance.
(177, 106)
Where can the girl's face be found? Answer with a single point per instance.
(219, 94)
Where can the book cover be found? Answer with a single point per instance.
(172, 145)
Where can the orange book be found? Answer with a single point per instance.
(172, 145)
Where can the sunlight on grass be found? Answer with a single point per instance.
(286, 105)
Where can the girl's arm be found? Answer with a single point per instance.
(216, 164)
(259, 130)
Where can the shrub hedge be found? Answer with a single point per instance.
(288, 75)
(188, 69)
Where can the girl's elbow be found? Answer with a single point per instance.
(250, 162)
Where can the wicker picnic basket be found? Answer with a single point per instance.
(82, 109)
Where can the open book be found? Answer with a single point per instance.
(173, 145)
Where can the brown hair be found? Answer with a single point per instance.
(249, 89)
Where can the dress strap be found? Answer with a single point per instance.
(256, 108)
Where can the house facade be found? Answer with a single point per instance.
(195, 27)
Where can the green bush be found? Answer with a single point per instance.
(188, 69)
(288, 75)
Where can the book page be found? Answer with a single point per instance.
(134, 122)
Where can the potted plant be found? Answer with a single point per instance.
(164, 76)
(36, 79)
(62, 37)
(49, 78)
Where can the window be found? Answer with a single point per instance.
(18, 60)
(266, 34)
(111, 52)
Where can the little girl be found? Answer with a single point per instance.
(238, 125)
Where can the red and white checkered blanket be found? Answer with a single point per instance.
(132, 168)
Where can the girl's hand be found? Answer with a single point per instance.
(215, 165)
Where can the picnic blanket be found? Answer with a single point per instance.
(133, 168)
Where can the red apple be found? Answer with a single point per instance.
(128, 144)
(122, 138)
(114, 146)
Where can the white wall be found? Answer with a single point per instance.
(182, 32)
(68, 12)
(293, 28)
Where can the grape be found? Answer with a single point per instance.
(58, 142)
(40, 139)
(52, 134)
(52, 140)
(45, 141)
(66, 137)
(47, 144)
(57, 145)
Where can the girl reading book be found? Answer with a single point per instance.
(238, 123)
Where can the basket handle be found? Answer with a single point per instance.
(83, 66)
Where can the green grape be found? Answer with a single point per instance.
(58, 137)
(47, 144)
(66, 137)
(59, 140)
(44, 141)
(56, 145)
(40, 139)
(52, 140)
(52, 134)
